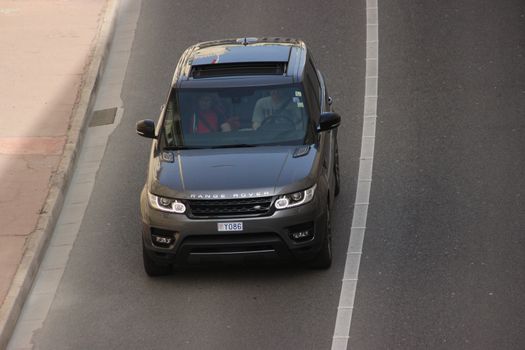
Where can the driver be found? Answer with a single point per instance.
(275, 104)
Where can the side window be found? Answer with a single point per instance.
(168, 122)
(171, 128)
(313, 89)
(314, 75)
(313, 97)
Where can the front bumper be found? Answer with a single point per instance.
(262, 238)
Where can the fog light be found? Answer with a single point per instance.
(163, 240)
(302, 235)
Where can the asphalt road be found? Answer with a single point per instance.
(105, 300)
(442, 263)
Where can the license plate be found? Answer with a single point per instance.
(229, 226)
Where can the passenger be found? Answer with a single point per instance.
(205, 119)
(210, 118)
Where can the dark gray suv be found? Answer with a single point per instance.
(244, 160)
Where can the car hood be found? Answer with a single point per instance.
(233, 173)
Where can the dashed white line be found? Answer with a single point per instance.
(364, 183)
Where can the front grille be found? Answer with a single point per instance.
(230, 207)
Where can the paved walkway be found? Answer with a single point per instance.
(45, 48)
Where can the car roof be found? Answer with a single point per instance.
(287, 51)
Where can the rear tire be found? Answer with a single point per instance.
(152, 268)
(324, 259)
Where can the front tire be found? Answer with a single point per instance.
(324, 258)
(152, 268)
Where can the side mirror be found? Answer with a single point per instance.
(328, 121)
(146, 128)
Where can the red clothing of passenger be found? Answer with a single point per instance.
(205, 122)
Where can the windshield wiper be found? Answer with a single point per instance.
(174, 148)
(238, 145)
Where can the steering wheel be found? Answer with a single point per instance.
(277, 120)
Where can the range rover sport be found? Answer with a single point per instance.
(244, 158)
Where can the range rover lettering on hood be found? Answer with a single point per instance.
(232, 195)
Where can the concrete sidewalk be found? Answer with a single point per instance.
(51, 53)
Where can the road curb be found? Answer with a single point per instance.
(59, 183)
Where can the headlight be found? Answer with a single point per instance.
(166, 204)
(295, 199)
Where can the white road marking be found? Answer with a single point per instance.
(364, 183)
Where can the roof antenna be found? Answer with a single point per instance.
(246, 40)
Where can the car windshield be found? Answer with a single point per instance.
(236, 117)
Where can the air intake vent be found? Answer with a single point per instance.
(234, 69)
